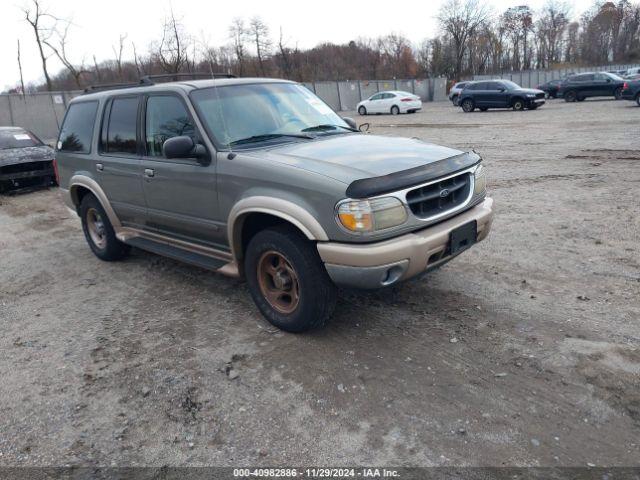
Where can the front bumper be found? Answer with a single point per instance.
(384, 263)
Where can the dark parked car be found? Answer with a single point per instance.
(551, 88)
(597, 84)
(24, 160)
(499, 94)
(631, 91)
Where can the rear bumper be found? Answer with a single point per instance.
(384, 263)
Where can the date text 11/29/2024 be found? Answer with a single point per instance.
(315, 473)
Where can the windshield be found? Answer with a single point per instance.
(15, 138)
(265, 112)
(510, 85)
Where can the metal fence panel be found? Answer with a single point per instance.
(439, 89)
(368, 88)
(5, 111)
(349, 95)
(421, 88)
(328, 91)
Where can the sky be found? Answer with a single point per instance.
(97, 25)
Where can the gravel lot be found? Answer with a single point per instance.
(523, 351)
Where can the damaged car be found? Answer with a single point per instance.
(25, 161)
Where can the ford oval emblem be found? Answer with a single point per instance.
(444, 193)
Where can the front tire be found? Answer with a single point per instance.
(395, 110)
(468, 105)
(99, 232)
(362, 110)
(288, 281)
(518, 104)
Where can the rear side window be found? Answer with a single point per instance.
(167, 117)
(77, 129)
(122, 128)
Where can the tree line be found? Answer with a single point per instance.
(472, 39)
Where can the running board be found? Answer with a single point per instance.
(203, 261)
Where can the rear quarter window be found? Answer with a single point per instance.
(77, 130)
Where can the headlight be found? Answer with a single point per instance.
(480, 180)
(371, 215)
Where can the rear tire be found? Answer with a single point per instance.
(99, 232)
(570, 96)
(468, 105)
(518, 104)
(362, 110)
(395, 110)
(618, 93)
(288, 281)
(638, 99)
(581, 98)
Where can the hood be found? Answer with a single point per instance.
(13, 156)
(356, 156)
(530, 90)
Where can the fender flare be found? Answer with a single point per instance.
(284, 209)
(91, 185)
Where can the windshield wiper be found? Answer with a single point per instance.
(268, 136)
(327, 126)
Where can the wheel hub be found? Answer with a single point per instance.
(278, 282)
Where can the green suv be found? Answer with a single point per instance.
(260, 179)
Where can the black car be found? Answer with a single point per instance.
(596, 84)
(550, 88)
(631, 91)
(24, 160)
(499, 94)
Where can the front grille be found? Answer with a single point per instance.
(439, 197)
(539, 95)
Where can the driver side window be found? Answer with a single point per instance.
(166, 117)
(377, 96)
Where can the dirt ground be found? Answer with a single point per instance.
(523, 351)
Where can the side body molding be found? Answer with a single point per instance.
(289, 211)
(90, 184)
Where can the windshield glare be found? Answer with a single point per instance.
(266, 110)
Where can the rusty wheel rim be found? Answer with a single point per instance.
(96, 228)
(278, 282)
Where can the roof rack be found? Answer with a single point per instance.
(173, 77)
(153, 79)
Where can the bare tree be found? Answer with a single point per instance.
(43, 25)
(172, 50)
(461, 19)
(136, 60)
(60, 50)
(238, 34)
(259, 32)
(118, 53)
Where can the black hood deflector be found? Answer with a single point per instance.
(369, 187)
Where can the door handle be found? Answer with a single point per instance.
(99, 167)
(149, 172)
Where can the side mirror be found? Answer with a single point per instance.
(350, 121)
(183, 147)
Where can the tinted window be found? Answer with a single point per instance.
(377, 96)
(121, 132)
(479, 86)
(588, 77)
(495, 86)
(166, 117)
(17, 138)
(460, 85)
(77, 129)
